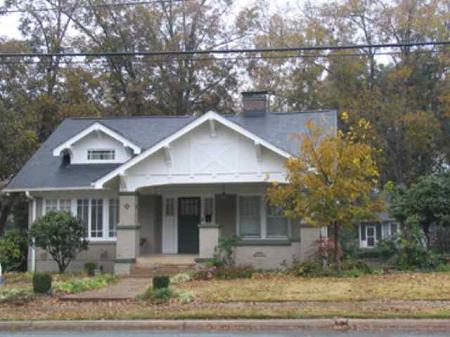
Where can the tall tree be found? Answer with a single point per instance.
(330, 183)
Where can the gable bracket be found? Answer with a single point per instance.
(258, 151)
(212, 127)
(167, 155)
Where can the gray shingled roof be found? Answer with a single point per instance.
(45, 171)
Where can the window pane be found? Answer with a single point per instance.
(277, 223)
(208, 209)
(113, 217)
(96, 218)
(250, 215)
(101, 154)
(170, 207)
(394, 228)
(65, 205)
(51, 205)
(83, 213)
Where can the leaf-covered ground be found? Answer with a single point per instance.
(280, 287)
(407, 295)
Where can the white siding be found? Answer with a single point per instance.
(199, 157)
(98, 141)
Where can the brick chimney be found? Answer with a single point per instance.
(254, 103)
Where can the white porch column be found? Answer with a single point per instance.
(128, 230)
(208, 241)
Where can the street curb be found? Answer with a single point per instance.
(233, 325)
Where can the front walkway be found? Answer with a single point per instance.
(124, 289)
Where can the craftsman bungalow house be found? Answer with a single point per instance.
(171, 186)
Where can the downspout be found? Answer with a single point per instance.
(33, 218)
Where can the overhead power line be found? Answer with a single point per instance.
(104, 5)
(220, 59)
(227, 51)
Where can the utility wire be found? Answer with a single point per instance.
(105, 5)
(226, 51)
(197, 59)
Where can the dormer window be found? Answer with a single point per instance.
(101, 155)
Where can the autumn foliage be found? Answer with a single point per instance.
(332, 181)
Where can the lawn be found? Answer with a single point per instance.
(269, 295)
(283, 288)
(18, 287)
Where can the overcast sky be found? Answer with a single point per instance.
(9, 22)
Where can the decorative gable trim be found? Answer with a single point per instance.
(96, 128)
(211, 117)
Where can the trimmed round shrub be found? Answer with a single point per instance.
(42, 283)
(161, 282)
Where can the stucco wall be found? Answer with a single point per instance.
(150, 222)
(226, 214)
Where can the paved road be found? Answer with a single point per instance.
(223, 334)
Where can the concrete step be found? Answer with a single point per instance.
(159, 270)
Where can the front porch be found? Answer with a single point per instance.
(176, 225)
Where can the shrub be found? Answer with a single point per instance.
(230, 273)
(182, 277)
(77, 285)
(307, 269)
(223, 253)
(356, 266)
(409, 250)
(158, 296)
(90, 268)
(42, 283)
(15, 295)
(164, 295)
(61, 235)
(13, 250)
(161, 282)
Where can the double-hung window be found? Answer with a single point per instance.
(99, 216)
(51, 205)
(83, 213)
(96, 218)
(113, 217)
(277, 223)
(250, 216)
(259, 220)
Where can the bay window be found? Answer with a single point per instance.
(98, 215)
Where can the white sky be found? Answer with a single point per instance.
(9, 22)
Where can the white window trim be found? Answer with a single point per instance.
(73, 203)
(100, 161)
(375, 241)
(263, 217)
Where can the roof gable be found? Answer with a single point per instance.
(210, 117)
(95, 127)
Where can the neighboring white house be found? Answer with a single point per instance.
(172, 185)
(371, 233)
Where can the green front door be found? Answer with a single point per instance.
(188, 221)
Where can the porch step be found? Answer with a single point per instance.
(159, 270)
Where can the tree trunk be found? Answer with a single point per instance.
(337, 250)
